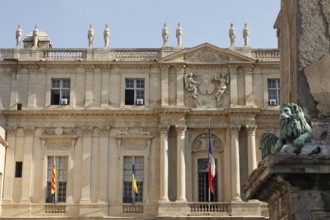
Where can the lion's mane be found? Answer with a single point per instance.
(293, 126)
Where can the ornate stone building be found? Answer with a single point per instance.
(97, 111)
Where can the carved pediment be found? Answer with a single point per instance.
(207, 53)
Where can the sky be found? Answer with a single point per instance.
(139, 23)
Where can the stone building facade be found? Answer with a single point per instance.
(98, 111)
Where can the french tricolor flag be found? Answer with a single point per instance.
(211, 164)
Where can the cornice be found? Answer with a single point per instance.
(142, 112)
(51, 113)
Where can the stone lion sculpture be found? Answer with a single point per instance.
(294, 132)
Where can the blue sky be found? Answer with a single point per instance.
(138, 23)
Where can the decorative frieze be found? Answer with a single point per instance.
(59, 131)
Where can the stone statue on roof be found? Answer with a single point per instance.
(18, 36)
(179, 34)
(232, 35)
(246, 35)
(35, 35)
(106, 35)
(165, 35)
(90, 36)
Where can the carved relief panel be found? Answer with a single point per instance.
(206, 87)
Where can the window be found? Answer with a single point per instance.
(129, 196)
(61, 179)
(60, 93)
(274, 91)
(134, 91)
(203, 182)
(18, 169)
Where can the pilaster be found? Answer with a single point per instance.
(31, 86)
(10, 166)
(179, 86)
(248, 85)
(14, 89)
(89, 86)
(233, 85)
(27, 165)
(86, 164)
(235, 169)
(103, 164)
(165, 84)
(105, 87)
(181, 167)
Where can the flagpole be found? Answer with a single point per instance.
(209, 160)
(55, 181)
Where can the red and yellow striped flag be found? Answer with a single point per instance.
(53, 187)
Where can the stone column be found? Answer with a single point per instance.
(10, 166)
(86, 165)
(248, 85)
(27, 165)
(233, 85)
(103, 165)
(179, 86)
(164, 163)
(252, 157)
(235, 173)
(181, 165)
(164, 81)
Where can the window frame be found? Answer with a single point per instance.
(276, 90)
(62, 91)
(133, 86)
(140, 179)
(59, 170)
(127, 74)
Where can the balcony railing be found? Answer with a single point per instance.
(55, 208)
(133, 208)
(204, 208)
(64, 54)
(267, 54)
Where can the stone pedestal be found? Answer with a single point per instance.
(295, 187)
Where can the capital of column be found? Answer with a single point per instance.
(104, 131)
(11, 130)
(180, 129)
(248, 68)
(164, 129)
(180, 67)
(87, 131)
(165, 68)
(233, 68)
(28, 131)
(251, 129)
(235, 129)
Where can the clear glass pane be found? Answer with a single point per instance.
(56, 83)
(66, 83)
(140, 83)
(129, 83)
